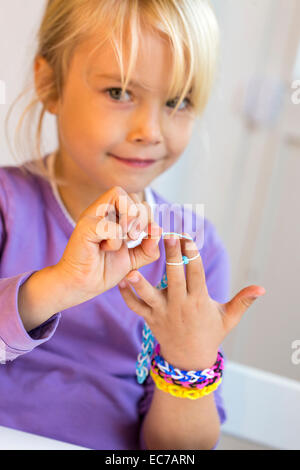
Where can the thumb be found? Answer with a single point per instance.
(237, 306)
(148, 250)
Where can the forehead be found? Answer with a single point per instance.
(153, 63)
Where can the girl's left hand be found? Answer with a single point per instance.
(187, 323)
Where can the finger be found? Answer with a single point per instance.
(175, 274)
(195, 274)
(128, 211)
(149, 294)
(118, 202)
(109, 235)
(144, 217)
(134, 303)
(148, 251)
(103, 232)
(239, 304)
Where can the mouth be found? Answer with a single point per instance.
(134, 162)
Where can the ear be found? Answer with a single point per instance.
(43, 76)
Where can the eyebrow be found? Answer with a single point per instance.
(118, 79)
(131, 83)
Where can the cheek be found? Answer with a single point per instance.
(85, 124)
(177, 144)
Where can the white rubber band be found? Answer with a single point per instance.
(179, 264)
(175, 233)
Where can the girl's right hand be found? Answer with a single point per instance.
(96, 257)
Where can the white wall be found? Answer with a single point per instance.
(19, 21)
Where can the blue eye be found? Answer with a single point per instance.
(111, 91)
(185, 99)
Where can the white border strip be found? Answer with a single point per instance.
(12, 439)
(262, 407)
(2, 92)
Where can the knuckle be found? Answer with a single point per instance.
(109, 229)
(134, 197)
(104, 208)
(173, 257)
(156, 320)
(146, 214)
(245, 302)
(119, 190)
(156, 303)
(196, 303)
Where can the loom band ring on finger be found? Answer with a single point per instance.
(185, 260)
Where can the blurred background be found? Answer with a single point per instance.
(243, 164)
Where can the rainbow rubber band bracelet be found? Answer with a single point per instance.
(182, 392)
(200, 384)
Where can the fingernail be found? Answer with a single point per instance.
(122, 284)
(134, 278)
(134, 231)
(135, 234)
(261, 294)
(130, 225)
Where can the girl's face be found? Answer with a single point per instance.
(95, 121)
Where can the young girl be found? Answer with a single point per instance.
(126, 81)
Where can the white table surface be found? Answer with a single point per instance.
(11, 439)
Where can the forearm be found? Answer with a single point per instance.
(42, 295)
(181, 423)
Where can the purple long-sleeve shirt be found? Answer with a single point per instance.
(73, 378)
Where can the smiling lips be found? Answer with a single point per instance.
(134, 162)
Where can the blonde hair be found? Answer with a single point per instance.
(189, 26)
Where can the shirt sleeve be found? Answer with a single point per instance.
(14, 339)
(217, 268)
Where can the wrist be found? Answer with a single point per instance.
(45, 293)
(189, 361)
(37, 298)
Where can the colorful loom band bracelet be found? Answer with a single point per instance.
(187, 376)
(190, 386)
(182, 392)
(185, 383)
(144, 356)
(184, 379)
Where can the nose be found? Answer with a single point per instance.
(146, 126)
